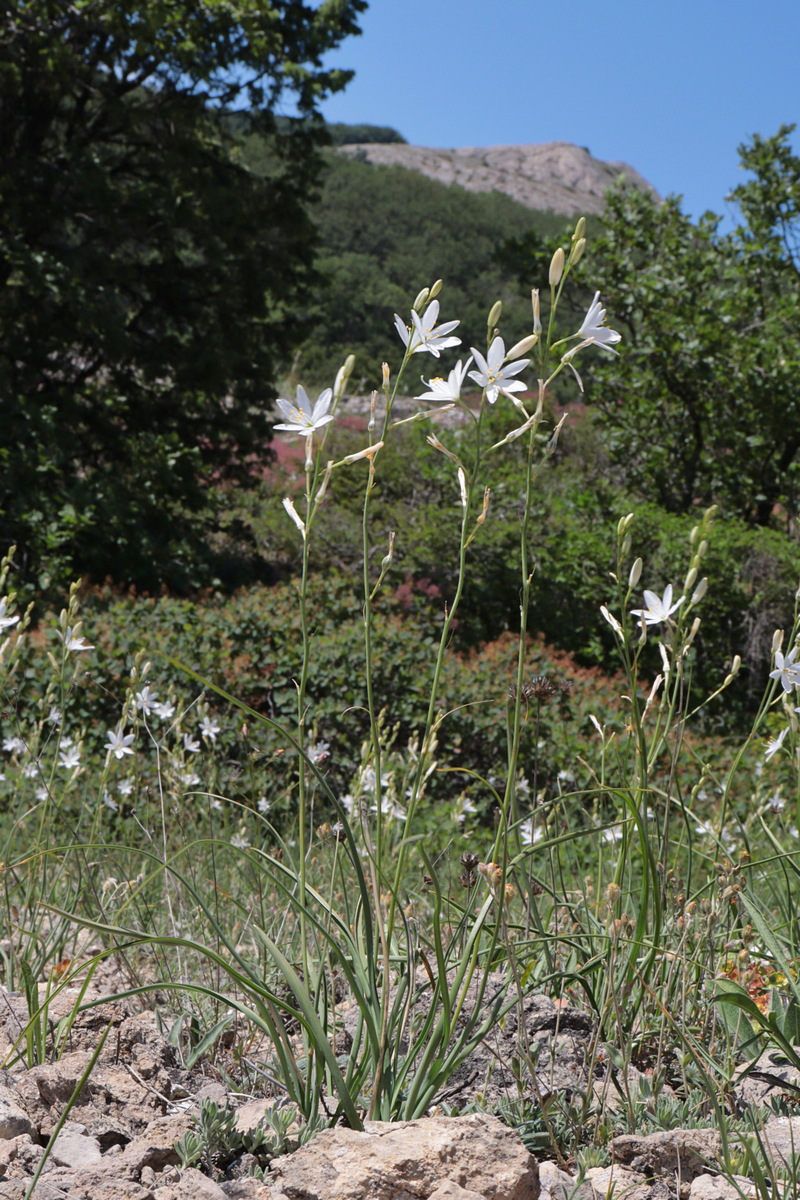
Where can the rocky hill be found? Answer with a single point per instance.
(556, 175)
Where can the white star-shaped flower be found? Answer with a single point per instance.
(595, 328)
(774, 744)
(424, 335)
(493, 375)
(787, 670)
(118, 743)
(73, 639)
(658, 608)
(302, 417)
(447, 391)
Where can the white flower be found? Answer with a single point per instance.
(189, 744)
(495, 377)
(54, 716)
(318, 751)
(215, 804)
(239, 841)
(529, 834)
(424, 334)
(110, 802)
(66, 742)
(595, 328)
(301, 417)
(42, 793)
(787, 670)
(348, 803)
(118, 743)
(146, 699)
(190, 779)
(389, 809)
(31, 769)
(6, 622)
(657, 610)
(264, 805)
(14, 745)
(774, 744)
(209, 728)
(447, 391)
(125, 787)
(70, 758)
(165, 710)
(73, 640)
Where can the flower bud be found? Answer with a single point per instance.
(537, 319)
(343, 375)
(623, 524)
(522, 347)
(636, 573)
(580, 230)
(690, 580)
(777, 641)
(556, 268)
(387, 558)
(434, 292)
(367, 452)
(421, 299)
(626, 545)
(700, 590)
(495, 313)
(385, 374)
(577, 253)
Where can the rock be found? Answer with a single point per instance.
(247, 1189)
(75, 1150)
(155, 1147)
(395, 1160)
(617, 1181)
(108, 1189)
(194, 1185)
(552, 175)
(453, 1191)
(558, 1185)
(715, 1187)
(685, 1152)
(13, 1119)
(781, 1137)
(770, 1073)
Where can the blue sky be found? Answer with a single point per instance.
(672, 88)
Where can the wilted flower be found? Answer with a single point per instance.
(658, 609)
(493, 375)
(301, 417)
(447, 391)
(319, 751)
(787, 670)
(612, 620)
(595, 328)
(424, 334)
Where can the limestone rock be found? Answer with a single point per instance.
(75, 1150)
(617, 1181)
(687, 1152)
(715, 1187)
(558, 1185)
(13, 1119)
(194, 1185)
(395, 1160)
(552, 175)
(781, 1137)
(453, 1191)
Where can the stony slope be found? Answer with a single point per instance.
(556, 175)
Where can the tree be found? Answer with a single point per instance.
(148, 272)
(703, 404)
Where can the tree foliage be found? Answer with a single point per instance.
(703, 405)
(148, 274)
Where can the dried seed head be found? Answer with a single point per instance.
(540, 688)
(469, 861)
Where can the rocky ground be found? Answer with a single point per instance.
(118, 1143)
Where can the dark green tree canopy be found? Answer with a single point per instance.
(147, 272)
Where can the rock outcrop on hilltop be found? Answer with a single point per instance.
(556, 175)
